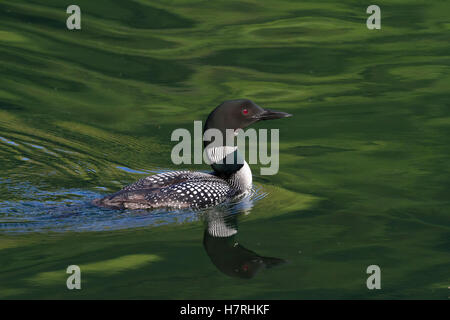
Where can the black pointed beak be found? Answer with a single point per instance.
(272, 114)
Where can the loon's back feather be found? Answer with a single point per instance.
(176, 189)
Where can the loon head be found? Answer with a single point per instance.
(239, 114)
(233, 114)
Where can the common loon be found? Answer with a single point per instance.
(187, 189)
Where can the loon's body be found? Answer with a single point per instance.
(188, 189)
(175, 189)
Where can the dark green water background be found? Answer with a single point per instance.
(364, 163)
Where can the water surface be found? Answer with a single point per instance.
(364, 175)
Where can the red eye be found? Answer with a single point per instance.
(245, 111)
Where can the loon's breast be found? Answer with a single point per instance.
(176, 189)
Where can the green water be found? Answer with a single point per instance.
(364, 175)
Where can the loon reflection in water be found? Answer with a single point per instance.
(186, 189)
(225, 252)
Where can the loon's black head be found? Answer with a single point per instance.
(233, 114)
(239, 114)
